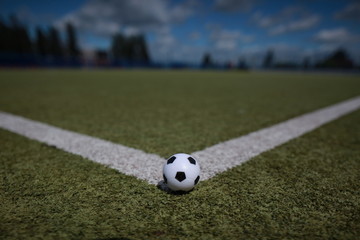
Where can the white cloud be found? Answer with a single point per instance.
(165, 38)
(182, 11)
(298, 25)
(228, 39)
(107, 17)
(166, 48)
(227, 45)
(103, 19)
(131, 31)
(224, 46)
(284, 15)
(336, 36)
(290, 19)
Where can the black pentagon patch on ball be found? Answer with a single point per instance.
(165, 179)
(180, 176)
(171, 160)
(197, 180)
(192, 160)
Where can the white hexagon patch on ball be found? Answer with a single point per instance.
(181, 172)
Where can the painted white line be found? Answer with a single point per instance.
(124, 159)
(213, 160)
(223, 156)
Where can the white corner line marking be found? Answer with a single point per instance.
(146, 166)
(228, 154)
(124, 159)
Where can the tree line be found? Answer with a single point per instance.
(46, 46)
(338, 59)
(131, 49)
(16, 43)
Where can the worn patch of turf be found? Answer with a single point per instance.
(166, 112)
(305, 189)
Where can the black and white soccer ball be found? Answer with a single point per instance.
(181, 172)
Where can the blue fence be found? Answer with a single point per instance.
(31, 60)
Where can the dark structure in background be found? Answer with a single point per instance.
(207, 61)
(55, 48)
(129, 51)
(268, 59)
(101, 58)
(40, 43)
(15, 43)
(338, 60)
(242, 64)
(306, 63)
(72, 47)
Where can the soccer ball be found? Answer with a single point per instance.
(181, 172)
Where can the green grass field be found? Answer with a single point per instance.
(171, 111)
(307, 188)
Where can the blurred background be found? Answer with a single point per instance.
(213, 34)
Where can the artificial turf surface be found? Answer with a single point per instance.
(165, 112)
(305, 189)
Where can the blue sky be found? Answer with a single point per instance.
(183, 30)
